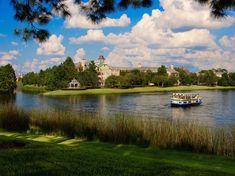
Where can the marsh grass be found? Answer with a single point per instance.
(163, 134)
(13, 118)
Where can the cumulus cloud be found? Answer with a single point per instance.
(228, 42)
(10, 55)
(181, 13)
(35, 65)
(105, 48)
(14, 43)
(181, 35)
(80, 54)
(50, 62)
(52, 46)
(79, 20)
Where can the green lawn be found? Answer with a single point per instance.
(132, 90)
(48, 155)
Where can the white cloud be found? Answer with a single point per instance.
(180, 35)
(52, 46)
(80, 54)
(10, 55)
(228, 42)
(43, 64)
(36, 65)
(105, 49)
(187, 13)
(31, 66)
(14, 43)
(79, 20)
(4, 62)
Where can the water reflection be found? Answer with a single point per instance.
(217, 106)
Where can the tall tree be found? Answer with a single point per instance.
(162, 71)
(7, 79)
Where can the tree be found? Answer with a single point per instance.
(7, 79)
(160, 80)
(112, 82)
(148, 76)
(224, 80)
(207, 77)
(30, 78)
(162, 71)
(219, 8)
(232, 78)
(171, 81)
(89, 77)
(36, 13)
(194, 78)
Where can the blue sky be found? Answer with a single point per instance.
(151, 37)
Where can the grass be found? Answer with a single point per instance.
(30, 88)
(162, 134)
(33, 88)
(132, 90)
(50, 155)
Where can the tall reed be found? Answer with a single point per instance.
(164, 134)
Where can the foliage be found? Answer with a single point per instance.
(7, 79)
(58, 77)
(207, 77)
(224, 80)
(112, 81)
(36, 13)
(219, 8)
(89, 77)
(162, 71)
(30, 78)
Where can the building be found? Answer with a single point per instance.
(172, 72)
(74, 84)
(219, 72)
(104, 70)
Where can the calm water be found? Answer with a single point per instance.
(217, 109)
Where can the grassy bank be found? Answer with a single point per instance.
(24, 154)
(162, 134)
(132, 90)
(33, 88)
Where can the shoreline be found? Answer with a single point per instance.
(106, 91)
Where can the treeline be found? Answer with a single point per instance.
(7, 79)
(136, 78)
(58, 77)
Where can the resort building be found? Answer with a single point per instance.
(74, 84)
(172, 72)
(219, 72)
(104, 70)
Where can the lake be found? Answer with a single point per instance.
(217, 108)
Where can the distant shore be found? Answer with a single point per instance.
(103, 91)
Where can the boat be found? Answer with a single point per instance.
(183, 100)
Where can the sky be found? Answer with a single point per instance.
(178, 32)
